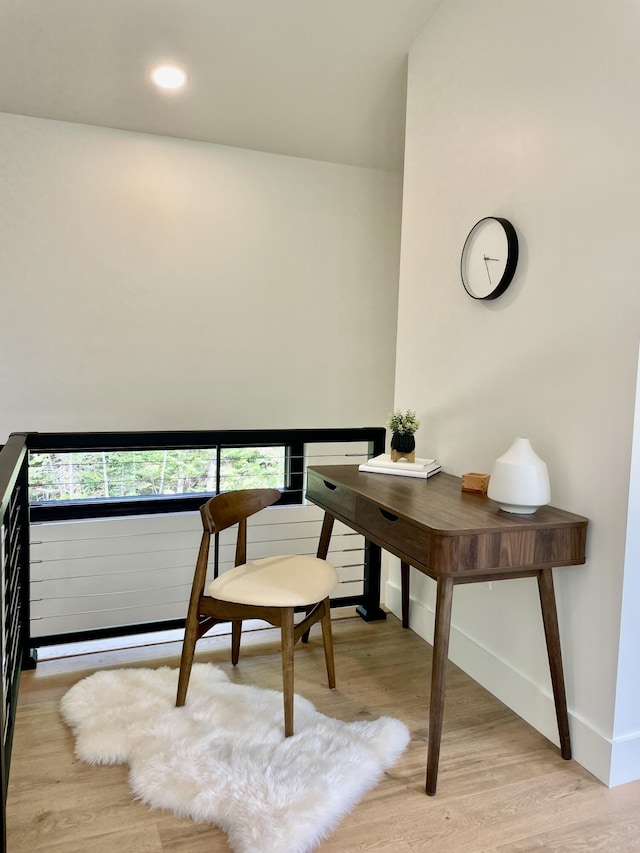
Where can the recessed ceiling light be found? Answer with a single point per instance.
(169, 76)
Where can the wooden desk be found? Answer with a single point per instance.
(454, 537)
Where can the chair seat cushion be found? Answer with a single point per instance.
(289, 581)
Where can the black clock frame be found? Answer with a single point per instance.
(512, 258)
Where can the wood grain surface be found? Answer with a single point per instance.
(436, 527)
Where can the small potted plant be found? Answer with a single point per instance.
(403, 426)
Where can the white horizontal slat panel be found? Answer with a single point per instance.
(114, 600)
(122, 545)
(107, 584)
(336, 453)
(353, 559)
(96, 528)
(347, 588)
(110, 572)
(114, 563)
(297, 546)
(350, 574)
(106, 618)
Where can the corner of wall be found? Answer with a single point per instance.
(625, 760)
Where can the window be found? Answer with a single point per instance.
(142, 473)
(67, 484)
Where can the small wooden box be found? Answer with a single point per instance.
(477, 483)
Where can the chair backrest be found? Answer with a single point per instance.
(231, 508)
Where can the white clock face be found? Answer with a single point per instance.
(484, 259)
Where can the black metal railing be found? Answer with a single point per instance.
(86, 588)
(14, 561)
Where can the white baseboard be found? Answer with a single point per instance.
(612, 762)
(625, 760)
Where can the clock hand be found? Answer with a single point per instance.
(490, 259)
(487, 268)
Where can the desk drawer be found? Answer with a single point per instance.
(411, 541)
(337, 498)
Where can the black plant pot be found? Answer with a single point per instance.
(403, 443)
(402, 446)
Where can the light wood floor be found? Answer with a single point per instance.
(502, 786)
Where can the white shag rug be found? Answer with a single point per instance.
(223, 758)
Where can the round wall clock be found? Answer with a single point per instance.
(489, 258)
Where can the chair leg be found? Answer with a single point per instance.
(236, 633)
(287, 668)
(186, 660)
(327, 639)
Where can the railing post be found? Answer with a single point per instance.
(29, 655)
(14, 591)
(370, 609)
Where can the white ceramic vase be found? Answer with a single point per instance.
(519, 480)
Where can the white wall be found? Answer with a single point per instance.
(625, 762)
(527, 110)
(153, 283)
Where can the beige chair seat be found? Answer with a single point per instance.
(289, 581)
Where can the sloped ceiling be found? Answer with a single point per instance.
(323, 79)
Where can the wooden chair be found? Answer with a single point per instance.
(268, 589)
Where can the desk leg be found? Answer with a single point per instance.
(444, 601)
(550, 620)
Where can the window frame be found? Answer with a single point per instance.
(70, 510)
